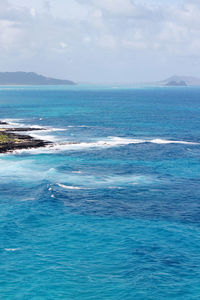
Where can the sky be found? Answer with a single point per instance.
(101, 41)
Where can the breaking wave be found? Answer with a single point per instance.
(106, 143)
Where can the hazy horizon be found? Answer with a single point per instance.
(105, 41)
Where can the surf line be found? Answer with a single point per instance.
(14, 139)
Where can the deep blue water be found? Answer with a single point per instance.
(113, 215)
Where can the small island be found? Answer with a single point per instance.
(179, 81)
(176, 83)
(30, 78)
(11, 140)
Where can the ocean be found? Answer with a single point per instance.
(111, 210)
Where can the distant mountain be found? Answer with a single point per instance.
(180, 81)
(30, 78)
(176, 83)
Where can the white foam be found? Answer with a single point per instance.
(161, 141)
(11, 249)
(78, 126)
(42, 133)
(30, 171)
(66, 146)
(35, 126)
(111, 182)
(115, 187)
(49, 138)
(28, 199)
(106, 143)
(18, 123)
(69, 187)
(12, 122)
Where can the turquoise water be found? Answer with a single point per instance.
(111, 210)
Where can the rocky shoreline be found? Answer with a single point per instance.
(11, 140)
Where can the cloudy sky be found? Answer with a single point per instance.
(101, 40)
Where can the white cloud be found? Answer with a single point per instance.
(106, 41)
(87, 39)
(9, 34)
(33, 12)
(63, 45)
(117, 7)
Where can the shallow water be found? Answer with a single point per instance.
(111, 210)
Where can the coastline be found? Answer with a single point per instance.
(11, 140)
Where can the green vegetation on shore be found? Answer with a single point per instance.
(5, 139)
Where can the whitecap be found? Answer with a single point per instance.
(78, 126)
(115, 187)
(69, 187)
(27, 199)
(11, 249)
(162, 141)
